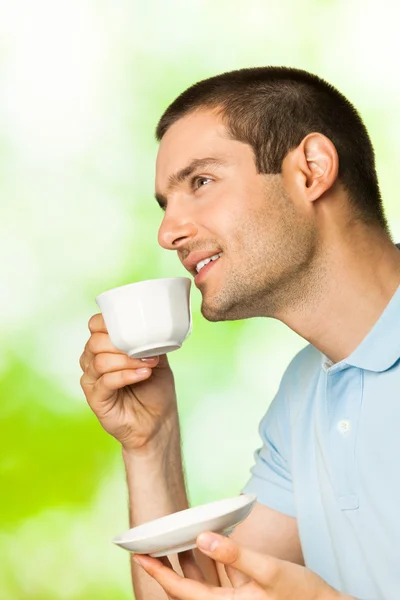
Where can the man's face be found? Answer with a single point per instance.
(226, 206)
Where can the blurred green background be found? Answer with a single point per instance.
(83, 83)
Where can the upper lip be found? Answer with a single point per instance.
(195, 257)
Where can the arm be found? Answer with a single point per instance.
(149, 479)
(157, 488)
(139, 409)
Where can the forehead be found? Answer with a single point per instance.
(196, 135)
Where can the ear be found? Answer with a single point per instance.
(312, 168)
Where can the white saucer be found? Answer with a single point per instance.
(178, 532)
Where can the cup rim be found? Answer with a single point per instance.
(120, 287)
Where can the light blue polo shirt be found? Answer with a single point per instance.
(331, 458)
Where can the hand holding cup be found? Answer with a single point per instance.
(133, 397)
(150, 317)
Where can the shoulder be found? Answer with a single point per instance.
(296, 379)
(298, 384)
(304, 366)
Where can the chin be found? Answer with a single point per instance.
(215, 313)
(212, 315)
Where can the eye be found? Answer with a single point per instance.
(198, 182)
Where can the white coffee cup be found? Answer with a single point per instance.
(149, 317)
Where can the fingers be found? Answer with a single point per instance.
(189, 566)
(165, 561)
(179, 587)
(100, 356)
(97, 343)
(107, 372)
(100, 342)
(108, 363)
(102, 389)
(262, 568)
(187, 563)
(105, 368)
(96, 323)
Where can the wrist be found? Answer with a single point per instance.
(155, 478)
(160, 456)
(167, 436)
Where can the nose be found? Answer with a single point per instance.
(175, 231)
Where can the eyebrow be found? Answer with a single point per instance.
(183, 174)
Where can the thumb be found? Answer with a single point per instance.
(225, 549)
(260, 567)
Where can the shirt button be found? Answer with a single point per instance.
(344, 426)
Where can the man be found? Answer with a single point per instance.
(273, 169)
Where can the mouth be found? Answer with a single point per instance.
(205, 270)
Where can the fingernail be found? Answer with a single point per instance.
(137, 560)
(148, 359)
(207, 541)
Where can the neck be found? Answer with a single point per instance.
(349, 288)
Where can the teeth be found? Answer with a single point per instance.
(205, 262)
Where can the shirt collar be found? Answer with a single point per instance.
(380, 348)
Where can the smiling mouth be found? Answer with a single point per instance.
(204, 270)
(206, 261)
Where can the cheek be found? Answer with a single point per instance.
(217, 211)
(232, 216)
(228, 225)
(232, 206)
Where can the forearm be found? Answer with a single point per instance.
(156, 488)
(155, 481)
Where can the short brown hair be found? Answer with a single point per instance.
(273, 108)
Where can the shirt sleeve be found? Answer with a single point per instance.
(271, 478)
